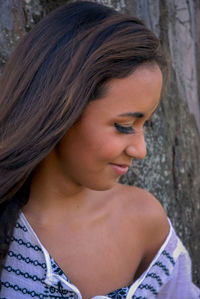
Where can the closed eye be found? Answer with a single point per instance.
(124, 129)
(130, 129)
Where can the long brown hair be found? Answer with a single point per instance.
(55, 71)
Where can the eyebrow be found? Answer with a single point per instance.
(133, 114)
(138, 114)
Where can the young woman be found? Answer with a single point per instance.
(74, 98)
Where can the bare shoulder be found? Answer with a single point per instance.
(143, 205)
(141, 200)
(147, 215)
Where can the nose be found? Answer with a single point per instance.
(137, 147)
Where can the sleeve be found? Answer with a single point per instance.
(169, 276)
(179, 284)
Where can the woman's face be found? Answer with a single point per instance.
(100, 147)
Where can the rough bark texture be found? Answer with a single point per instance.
(171, 170)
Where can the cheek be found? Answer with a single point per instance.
(94, 145)
(93, 151)
(104, 146)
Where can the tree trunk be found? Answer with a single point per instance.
(171, 170)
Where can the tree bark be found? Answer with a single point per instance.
(171, 170)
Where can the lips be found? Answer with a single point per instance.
(120, 169)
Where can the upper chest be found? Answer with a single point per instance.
(97, 258)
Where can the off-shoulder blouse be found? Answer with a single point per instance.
(30, 272)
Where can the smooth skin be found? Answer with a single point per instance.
(102, 234)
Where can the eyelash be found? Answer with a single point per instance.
(123, 129)
(130, 130)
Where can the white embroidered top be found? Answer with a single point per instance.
(30, 272)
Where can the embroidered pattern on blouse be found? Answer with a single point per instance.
(57, 290)
(25, 271)
(119, 294)
(157, 276)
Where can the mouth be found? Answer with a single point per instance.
(120, 169)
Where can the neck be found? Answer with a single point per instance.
(55, 199)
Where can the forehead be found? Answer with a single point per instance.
(138, 92)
